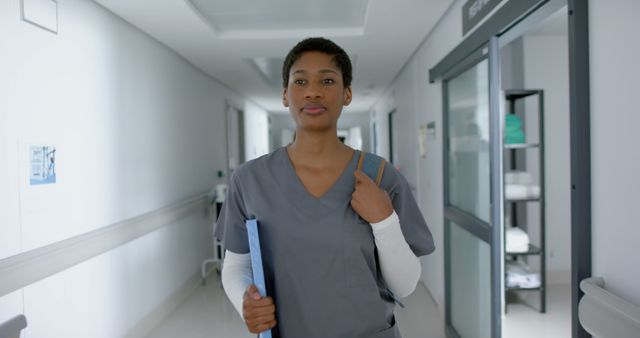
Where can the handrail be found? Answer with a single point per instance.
(604, 314)
(26, 268)
(12, 327)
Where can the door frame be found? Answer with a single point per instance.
(390, 120)
(232, 109)
(506, 17)
(490, 233)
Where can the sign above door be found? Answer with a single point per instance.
(474, 11)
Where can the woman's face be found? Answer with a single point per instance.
(315, 93)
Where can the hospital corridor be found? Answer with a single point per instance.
(319, 169)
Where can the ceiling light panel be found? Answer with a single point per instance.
(285, 15)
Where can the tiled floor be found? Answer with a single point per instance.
(208, 313)
(523, 321)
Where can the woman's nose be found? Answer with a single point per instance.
(312, 92)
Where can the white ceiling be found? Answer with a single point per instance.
(242, 43)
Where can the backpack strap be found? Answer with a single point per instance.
(372, 165)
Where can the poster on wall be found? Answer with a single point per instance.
(43, 164)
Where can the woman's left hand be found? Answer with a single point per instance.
(370, 202)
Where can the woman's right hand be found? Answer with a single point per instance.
(259, 312)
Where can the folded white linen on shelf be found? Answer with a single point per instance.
(518, 177)
(517, 240)
(518, 275)
(521, 191)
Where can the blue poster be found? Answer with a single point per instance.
(43, 165)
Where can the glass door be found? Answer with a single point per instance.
(473, 194)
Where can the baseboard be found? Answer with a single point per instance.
(157, 316)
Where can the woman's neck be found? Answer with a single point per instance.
(316, 145)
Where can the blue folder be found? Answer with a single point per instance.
(256, 263)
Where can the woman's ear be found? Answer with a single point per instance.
(348, 95)
(285, 101)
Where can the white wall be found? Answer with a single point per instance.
(136, 128)
(419, 102)
(615, 155)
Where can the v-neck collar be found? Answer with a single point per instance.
(338, 194)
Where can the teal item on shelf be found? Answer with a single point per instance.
(513, 132)
(516, 137)
(513, 122)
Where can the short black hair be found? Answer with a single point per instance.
(322, 45)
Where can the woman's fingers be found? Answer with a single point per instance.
(261, 323)
(369, 201)
(262, 327)
(268, 318)
(362, 178)
(264, 301)
(259, 312)
(252, 291)
(252, 311)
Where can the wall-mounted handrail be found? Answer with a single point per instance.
(12, 327)
(604, 314)
(26, 268)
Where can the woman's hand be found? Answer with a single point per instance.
(370, 202)
(259, 312)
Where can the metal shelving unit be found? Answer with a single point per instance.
(512, 97)
(521, 146)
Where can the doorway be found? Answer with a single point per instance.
(235, 138)
(392, 139)
(534, 62)
(518, 133)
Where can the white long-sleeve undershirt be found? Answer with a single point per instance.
(400, 267)
(236, 277)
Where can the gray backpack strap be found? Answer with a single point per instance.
(372, 165)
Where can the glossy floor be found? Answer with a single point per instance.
(208, 313)
(522, 321)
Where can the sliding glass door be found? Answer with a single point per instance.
(473, 194)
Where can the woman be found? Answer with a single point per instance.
(333, 242)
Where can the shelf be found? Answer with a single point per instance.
(516, 288)
(521, 146)
(533, 250)
(521, 93)
(535, 143)
(516, 200)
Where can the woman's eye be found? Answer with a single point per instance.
(299, 82)
(328, 81)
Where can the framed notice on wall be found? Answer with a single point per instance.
(42, 164)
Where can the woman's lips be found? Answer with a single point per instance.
(313, 109)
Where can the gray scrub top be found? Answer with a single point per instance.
(319, 256)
